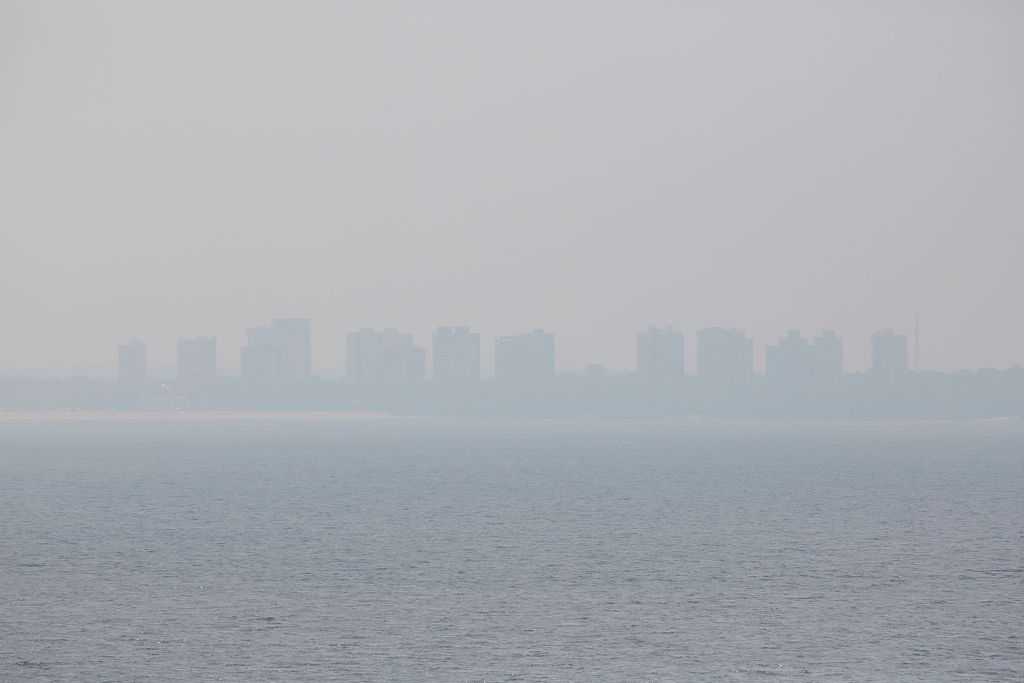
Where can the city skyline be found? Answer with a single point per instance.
(327, 353)
(334, 361)
(390, 357)
(587, 340)
(388, 371)
(680, 165)
(313, 356)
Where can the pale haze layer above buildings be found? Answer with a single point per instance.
(184, 170)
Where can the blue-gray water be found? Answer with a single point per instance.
(575, 550)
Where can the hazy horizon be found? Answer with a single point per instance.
(588, 168)
(228, 361)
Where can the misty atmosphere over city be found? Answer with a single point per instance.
(185, 169)
(385, 371)
(461, 341)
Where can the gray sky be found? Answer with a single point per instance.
(176, 168)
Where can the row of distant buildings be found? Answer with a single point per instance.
(725, 359)
(389, 357)
(279, 354)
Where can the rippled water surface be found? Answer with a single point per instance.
(560, 550)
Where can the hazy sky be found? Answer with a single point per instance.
(180, 168)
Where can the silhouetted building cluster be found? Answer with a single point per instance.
(387, 371)
(197, 367)
(660, 356)
(526, 361)
(794, 366)
(276, 355)
(725, 361)
(387, 358)
(456, 356)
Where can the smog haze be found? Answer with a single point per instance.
(176, 169)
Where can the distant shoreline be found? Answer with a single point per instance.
(85, 416)
(187, 415)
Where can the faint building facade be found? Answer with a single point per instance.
(400, 362)
(660, 356)
(725, 360)
(827, 360)
(131, 367)
(525, 360)
(362, 351)
(291, 340)
(261, 367)
(292, 337)
(788, 365)
(794, 366)
(888, 359)
(384, 358)
(456, 356)
(197, 366)
(276, 354)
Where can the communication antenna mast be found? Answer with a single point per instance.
(917, 341)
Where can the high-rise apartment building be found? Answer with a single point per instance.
(788, 365)
(131, 367)
(660, 356)
(261, 367)
(456, 355)
(525, 360)
(385, 358)
(794, 366)
(888, 358)
(290, 336)
(197, 366)
(362, 353)
(827, 360)
(725, 360)
(400, 361)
